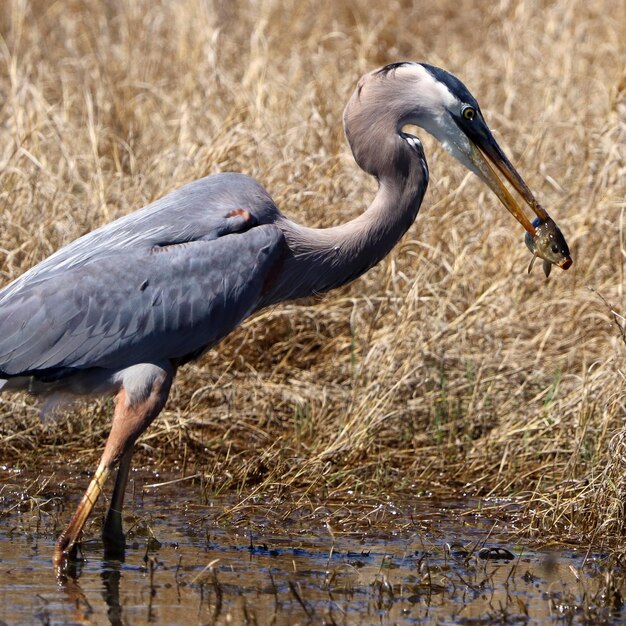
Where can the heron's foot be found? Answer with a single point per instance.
(114, 547)
(65, 552)
(113, 537)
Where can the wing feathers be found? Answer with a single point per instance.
(137, 305)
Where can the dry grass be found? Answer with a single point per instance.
(447, 369)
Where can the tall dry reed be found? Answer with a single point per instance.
(447, 369)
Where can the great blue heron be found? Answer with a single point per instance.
(119, 310)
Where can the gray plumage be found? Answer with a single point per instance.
(170, 280)
(164, 282)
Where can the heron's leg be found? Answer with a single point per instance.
(112, 533)
(135, 409)
(66, 542)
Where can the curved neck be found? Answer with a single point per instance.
(319, 259)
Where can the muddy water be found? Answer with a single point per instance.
(287, 561)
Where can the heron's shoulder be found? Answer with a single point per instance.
(223, 192)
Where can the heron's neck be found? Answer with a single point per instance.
(320, 259)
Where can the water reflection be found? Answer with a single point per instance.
(285, 563)
(111, 576)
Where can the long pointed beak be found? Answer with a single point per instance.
(487, 154)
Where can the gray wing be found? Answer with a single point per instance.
(164, 282)
(138, 306)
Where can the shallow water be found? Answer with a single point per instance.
(271, 561)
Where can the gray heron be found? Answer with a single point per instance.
(120, 309)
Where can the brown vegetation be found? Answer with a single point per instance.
(447, 369)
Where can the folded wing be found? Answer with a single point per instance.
(136, 304)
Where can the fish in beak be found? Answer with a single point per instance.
(548, 244)
(543, 237)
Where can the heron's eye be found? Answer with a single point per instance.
(469, 113)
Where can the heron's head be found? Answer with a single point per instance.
(423, 95)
